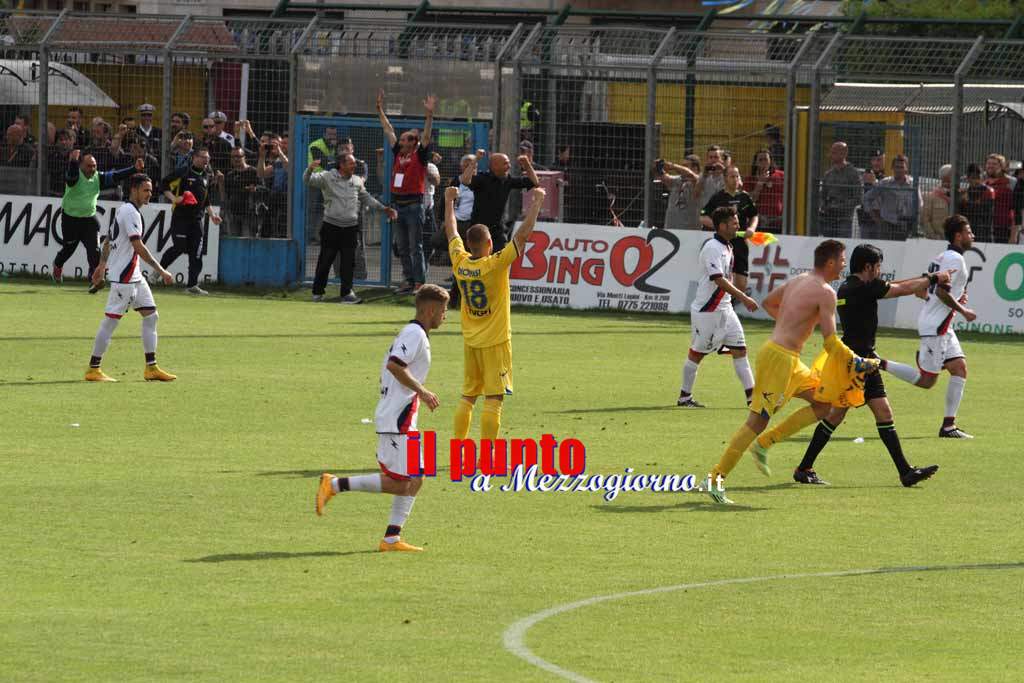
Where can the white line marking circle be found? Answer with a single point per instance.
(514, 638)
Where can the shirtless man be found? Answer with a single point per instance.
(800, 304)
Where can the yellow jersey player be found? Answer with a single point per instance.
(482, 279)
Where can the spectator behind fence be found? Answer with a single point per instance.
(220, 150)
(324, 149)
(712, 180)
(240, 185)
(773, 142)
(526, 149)
(894, 203)
(766, 185)
(682, 212)
(181, 149)
(433, 180)
(346, 146)
(16, 152)
(733, 195)
(936, 206)
(137, 150)
(977, 204)
(220, 121)
(272, 166)
(75, 123)
(344, 196)
(1003, 185)
(57, 161)
(1018, 206)
(840, 194)
(105, 150)
(24, 123)
(408, 183)
(152, 137)
(180, 121)
(490, 194)
(875, 170)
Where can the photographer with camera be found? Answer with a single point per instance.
(683, 209)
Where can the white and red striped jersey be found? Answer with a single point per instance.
(935, 318)
(398, 405)
(123, 262)
(716, 261)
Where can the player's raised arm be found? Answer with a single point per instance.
(451, 195)
(526, 227)
(916, 285)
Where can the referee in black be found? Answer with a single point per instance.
(746, 210)
(857, 303)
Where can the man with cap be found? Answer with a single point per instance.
(526, 150)
(150, 136)
(220, 119)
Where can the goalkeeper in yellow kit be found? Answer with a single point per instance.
(482, 279)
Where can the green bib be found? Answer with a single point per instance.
(80, 199)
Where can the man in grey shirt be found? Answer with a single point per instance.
(841, 191)
(683, 209)
(344, 195)
(894, 203)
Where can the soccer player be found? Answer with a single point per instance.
(857, 305)
(714, 322)
(940, 348)
(733, 195)
(402, 375)
(188, 188)
(123, 247)
(82, 187)
(482, 277)
(797, 306)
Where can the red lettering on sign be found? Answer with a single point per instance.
(618, 256)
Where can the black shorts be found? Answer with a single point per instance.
(740, 256)
(874, 386)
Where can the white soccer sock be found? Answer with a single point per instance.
(903, 372)
(743, 371)
(365, 482)
(689, 376)
(149, 332)
(103, 335)
(400, 509)
(954, 394)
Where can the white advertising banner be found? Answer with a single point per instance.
(31, 235)
(600, 267)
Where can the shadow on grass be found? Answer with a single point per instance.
(268, 555)
(688, 506)
(32, 383)
(632, 409)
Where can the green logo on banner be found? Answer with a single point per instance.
(1002, 270)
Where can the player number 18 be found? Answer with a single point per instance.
(474, 292)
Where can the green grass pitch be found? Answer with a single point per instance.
(170, 535)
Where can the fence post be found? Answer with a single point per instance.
(497, 120)
(652, 120)
(168, 95)
(958, 114)
(517, 67)
(814, 133)
(790, 128)
(43, 113)
(293, 76)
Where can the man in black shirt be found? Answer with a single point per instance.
(490, 194)
(733, 195)
(189, 190)
(857, 303)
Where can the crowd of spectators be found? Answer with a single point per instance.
(249, 172)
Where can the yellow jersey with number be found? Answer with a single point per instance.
(483, 286)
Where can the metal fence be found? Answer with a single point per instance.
(597, 105)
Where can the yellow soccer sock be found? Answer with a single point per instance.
(733, 452)
(490, 419)
(463, 416)
(788, 427)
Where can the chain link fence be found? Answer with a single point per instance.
(833, 134)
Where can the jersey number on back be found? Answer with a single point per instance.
(474, 292)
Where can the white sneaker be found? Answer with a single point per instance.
(351, 298)
(197, 291)
(318, 298)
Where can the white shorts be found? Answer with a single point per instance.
(124, 296)
(712, 331)
(391, 455)
(936, 351)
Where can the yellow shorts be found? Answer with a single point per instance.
(779, 376)
(488, 370)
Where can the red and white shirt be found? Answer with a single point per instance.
(398, 405)
(935, 318)
(123, 262)
(716, 261)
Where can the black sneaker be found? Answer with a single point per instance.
(95, 288)
(808, 477)
(688, 402)
(406, 288)
(917, 474)
(954, 433)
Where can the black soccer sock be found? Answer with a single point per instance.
(948, 422)
(392, 530)
(342, 484)
(887, 432)
(822, 433)
(749, 393)
(151, 358)
(94, 361)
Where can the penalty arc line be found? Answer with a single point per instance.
(514, 638)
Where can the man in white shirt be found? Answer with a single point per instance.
(123, 246)
(714, 322)
(940, 348)
(402, 375)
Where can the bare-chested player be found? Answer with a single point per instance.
(800, 304)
